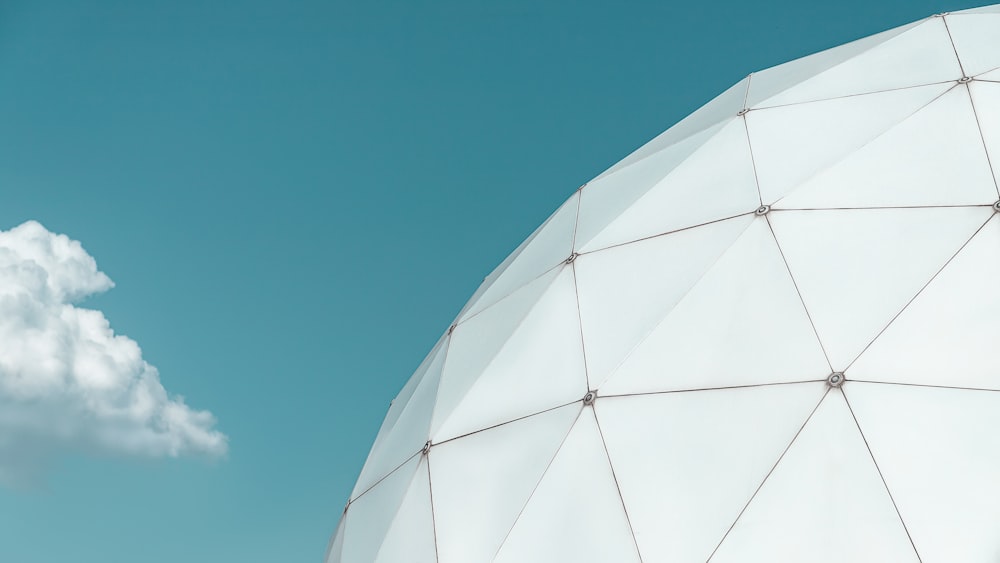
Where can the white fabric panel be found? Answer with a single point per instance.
(336, 544)
(540, 366)
(478, 340)
(934, 157)
(741, 324)
(723, 107)
(857, 269)
(977, 41)
(919, 55)
(821, 504)
(481, 482)
(688, 462)
(407, 427)
(369, 516)
(410, 538)
(986, 99)
(993, 75)
(992, 9)
(549, 245)
(939, 454)
(575, 514)
(604, 199)
(696, 191)
(770, 82)
(948, 335)
(626, 290)
(794, 143)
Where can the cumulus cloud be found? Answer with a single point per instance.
(68, 383)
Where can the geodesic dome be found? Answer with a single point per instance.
(770, 334)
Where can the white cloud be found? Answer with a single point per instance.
(68, 383)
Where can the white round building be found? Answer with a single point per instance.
(770, 334)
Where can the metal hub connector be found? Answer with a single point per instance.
(836, 379)
(743, 111)
(590, 397)
(571, 258)
(762, 210)
(996, 207)
(964, 79)
(426, 448)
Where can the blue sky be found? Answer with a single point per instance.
(295, 198)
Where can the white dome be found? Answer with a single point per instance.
(770, 334)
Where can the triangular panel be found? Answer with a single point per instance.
(934, 157)
(697, 191)
(977, 41)
(410, 538)
(723, 107)
(626, 290)
(939, 453)
(407, 426)
(539, 367)
(482, 481)
(369, 516)
(823, 503)
(992, 9)
(576, 513)
(478, 340)
(856, 269)
(949, 334)
(741, 324)
(688, 462)
(604, 199)
(986, 98)
(549, 245)
(993, 75)
(336, 544)
(889, 63)
(793, 143)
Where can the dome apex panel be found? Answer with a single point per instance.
(768, 334)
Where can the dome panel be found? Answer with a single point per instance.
(370, 516)
(948, 335)
(576, 513)
(977, 41)
(820, 503)
(794, 143)
(688, 462)
(857, 269)
(695, 191)
(931, 447)
(481, 482)
(743, 323)
(410, 537)
(918, 55)
(626, 290)
(986, 99)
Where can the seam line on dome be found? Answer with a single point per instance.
(876, 207)
(579, 320)
(982, 137)
(753, 161)
(798, 291)
(682, 229)
(512, 292)
(919, 292)
(986, 72)
(505, 423)
(721, 388)
(383, 478)
(618, 487)
(766, 477)
(855, 95)
(430, 490)
(961, 67)
(843, 393)
(926, 385)
(537, 483)
(861, 147)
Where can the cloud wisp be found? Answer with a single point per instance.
(68, 383)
